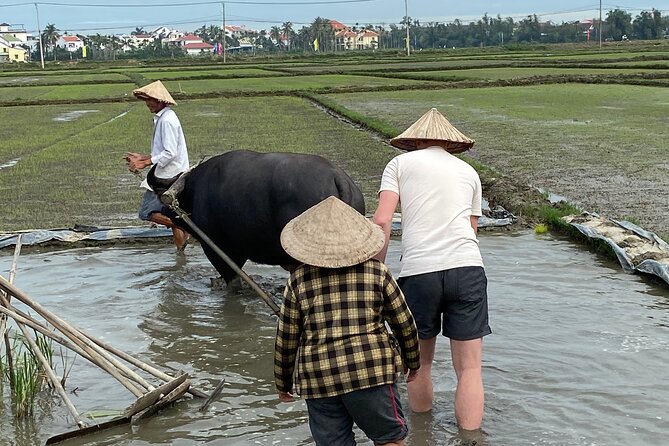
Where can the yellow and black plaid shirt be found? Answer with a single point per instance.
(336, 319)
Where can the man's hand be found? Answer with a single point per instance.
(136, 161)
(286, 397)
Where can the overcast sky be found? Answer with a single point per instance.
(91, 16)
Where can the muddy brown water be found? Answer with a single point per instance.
(578, 354)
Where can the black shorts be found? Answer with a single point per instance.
(457, 296)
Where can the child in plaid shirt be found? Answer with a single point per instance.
(332, 325)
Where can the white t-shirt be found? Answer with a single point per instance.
(438, 194)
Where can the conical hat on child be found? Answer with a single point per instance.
(332, 234)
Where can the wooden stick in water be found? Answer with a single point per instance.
(5, 334)
(66, 329)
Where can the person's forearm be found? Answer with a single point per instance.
(385, 226)
(474, 221)
(383, 217)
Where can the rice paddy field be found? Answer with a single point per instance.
(583, 123)
(586, 125)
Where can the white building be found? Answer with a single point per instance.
(139, 40)
(20, 34)
(194, 45)
(70, 43)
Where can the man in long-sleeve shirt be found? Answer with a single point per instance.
(169, 155)
(333, 325)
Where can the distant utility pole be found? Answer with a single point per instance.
(223, 40)
(406, 17)
(39, 36)
(600, 23)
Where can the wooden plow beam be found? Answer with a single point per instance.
(169, 198)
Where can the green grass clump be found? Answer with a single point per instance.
(26, 374)
(551, 214)
(541, 228)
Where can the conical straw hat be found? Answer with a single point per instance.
(155, 90)
(433, 126)
(332, 234)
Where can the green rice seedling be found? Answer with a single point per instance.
(288, 83)
(17, 95)
(26, 383)
(27, 374)
(66, 364)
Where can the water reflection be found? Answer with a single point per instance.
(578, 353)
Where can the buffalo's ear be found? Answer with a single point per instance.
(159, 185)
(151, 177)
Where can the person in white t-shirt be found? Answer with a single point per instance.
(169, 156)
(442, 274)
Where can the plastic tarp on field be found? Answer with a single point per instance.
(637, 250)
(37, 237)
(496, 217)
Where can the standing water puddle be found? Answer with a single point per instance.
(578, 353)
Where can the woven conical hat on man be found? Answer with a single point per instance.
(433, 126)
(332, 234)
(155, 90)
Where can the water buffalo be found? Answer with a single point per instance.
(243, 199)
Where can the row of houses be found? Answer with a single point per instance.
(346, 38)
(191, 43)
(16, 44)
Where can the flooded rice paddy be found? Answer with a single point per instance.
(578, 354)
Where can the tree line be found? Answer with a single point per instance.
(320, 36)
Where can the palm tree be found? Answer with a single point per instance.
(322, 30)
(50, 36)
(127, 44)
(114, 44)
(275, 34)
(287, 29)
(201, 32)
(138, 30)
(214, 33)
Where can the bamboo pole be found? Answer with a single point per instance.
(26, 319)
(52, 376)
(3, 321)
(5, 297)
(142, 365)
(125, 356)
(65, 328)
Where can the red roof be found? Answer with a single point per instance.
(198, 46)
(337, 26)
(71, 39)
(189, 37)
(345, 33)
